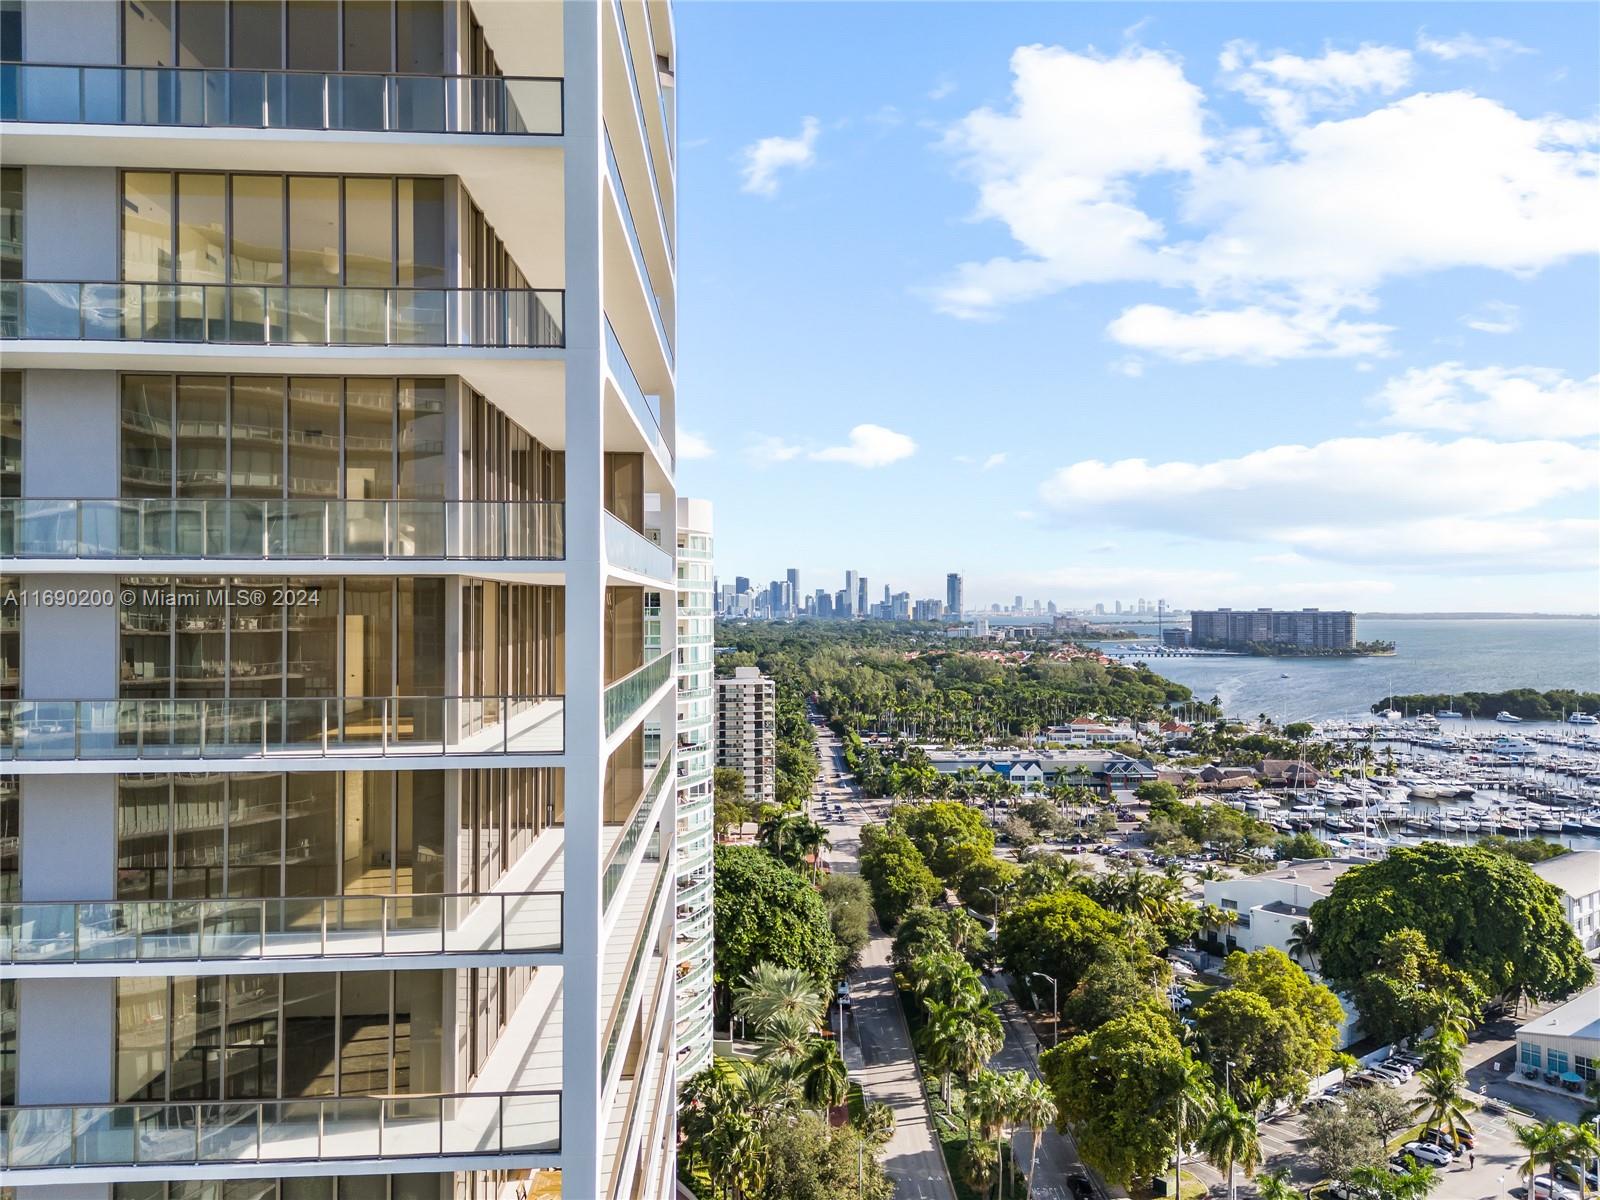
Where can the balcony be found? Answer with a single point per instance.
(646, 409)
(320, 101)
(627, 696)
(52, 731)
(252, 932)
(622, 851)
(281, 530)
(237, 314)
(630, 550)
(464, 1126)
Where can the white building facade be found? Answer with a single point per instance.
(696, 751)
(747, 714)
(339, 772)
(1577, 875)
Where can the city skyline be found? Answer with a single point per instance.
(1170, 387)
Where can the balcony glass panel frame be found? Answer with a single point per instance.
(626, 696)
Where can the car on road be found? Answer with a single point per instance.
(844, 996)
(1080, 1187)
(1543, 1189)
(1427, 1152)
(1316, 1102)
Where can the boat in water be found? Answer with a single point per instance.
(1583, 718)
(1506, 718)
(1448, 714)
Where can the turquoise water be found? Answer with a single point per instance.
(1431, 655)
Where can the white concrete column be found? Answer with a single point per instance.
(582, 1123)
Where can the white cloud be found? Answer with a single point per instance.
(763, 160)
(1499, 401)
(1399, 500)
(1494, 316)
(1132, 368)
(869, 446)
(769, 450)
(1491, 50)
(997, 459)
(1254, 334)
(692, 445)
(1289, 88)
(941, 89)
(1307, 217)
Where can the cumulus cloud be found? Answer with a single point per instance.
(692, 445)
(997, 459)
(1254, 334)
(869, 446)
(1359, 500)
(1289, 88)
(1305, 216)
(1494, 316)
(764, 159)
(1492, 50)
(1507, 402)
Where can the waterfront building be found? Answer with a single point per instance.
(955, 603)
(696, 758)
(1562, 1048)
(1115, 776)
(1577, 875)
(1304, 629)
(340, 370)
(1175, 637)
(747, 714)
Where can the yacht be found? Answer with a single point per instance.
(1448, 714)
(1583, 718)
(1506, 718)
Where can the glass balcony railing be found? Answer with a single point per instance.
(266, 1131)
(618, 865)
(640, 262)
(629, 549)
(626, 695)
(298, 727)
(248, 314)
(646, 408)
(350, 101)
(281, 529)
(117, 931)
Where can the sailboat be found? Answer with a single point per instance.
(1449, 714)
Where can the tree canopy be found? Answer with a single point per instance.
(765, 912)
(1062, 935)
(1277, 1026)
(895, 870)
(1483, 913)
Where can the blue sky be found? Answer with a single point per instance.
(1247, 303)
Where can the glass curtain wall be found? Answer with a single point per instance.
(338, 1187)
(248, 1037)
(502, 461)
(502, 813)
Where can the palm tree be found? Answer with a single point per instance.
(1229, 1137)
(770, 991)
(1190, 1094)
(1441, 1054)
(1302, 943)
(1583, 1147)
(1441, 1104)
(1275, 1185)
(1036, 1108)
(877, 1123)
(1545, 1138)
(825, 1083)
(786, 1039)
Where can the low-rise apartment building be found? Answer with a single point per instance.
(1577, 875)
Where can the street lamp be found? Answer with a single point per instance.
(995, 896)
(1055, 1009)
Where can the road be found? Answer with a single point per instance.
(1058, 1155)
(878, 1049)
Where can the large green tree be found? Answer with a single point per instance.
(807, 1160)
(1276, 1025)
(1115, 1087)
(951, 835)
(1484, 913)
(896, 872)
(765, 912)
(1410, 987)
(1061, 935)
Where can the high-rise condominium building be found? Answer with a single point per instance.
(338, 416)
(850, 608)
(747, 714)
(1303, 629)
(696, 753)
(954, 599)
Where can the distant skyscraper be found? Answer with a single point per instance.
(793, 576)
(954, 595)
(1018, 604)
(824, 605)
(841, 604)
(1099, 610)
(887, 598)
(1050, 607)
(849, 594)
(741, 584)
(1119, 608)
(862, 608)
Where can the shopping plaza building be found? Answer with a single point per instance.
(339, 629)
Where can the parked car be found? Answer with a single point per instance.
(1544, 1189)
(844, 996)
(1463, 1139)
(1385, 1071)
(1434, 1156)
(1080, 1187)
(1317, 1102)
(1568, 1173)
(1349, 1191)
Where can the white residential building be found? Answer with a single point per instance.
(747, 715)
(1577, 875)
(1562, 1048)
(338, 378)
(696, 651)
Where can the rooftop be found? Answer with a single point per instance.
(1577, 873)
(1312, 871)
(1286, 909)
(1577, 1018)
